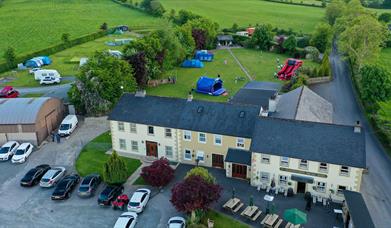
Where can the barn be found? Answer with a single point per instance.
(29, 119)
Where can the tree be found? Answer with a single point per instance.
(385, 17)
(290, 44)
(158, 174)
(321, 38)
(262, 37)
(185, 37)
(185, 16)
(65, 38)
(157, 8)
(115, 170)
(334, 10)
(383, 119)
(10, 56)
(103, 26)
(139, 62)
(375, 83)
(194, 194)
(100, 84)
(199, 37)
(209, 29)
(235, 27)
(201, 172)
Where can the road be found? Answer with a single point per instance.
(376, 184)
(58, 91)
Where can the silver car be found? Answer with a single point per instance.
(52, 176)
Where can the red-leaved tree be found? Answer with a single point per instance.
(159, 173)
(194, 193)
(199, 37)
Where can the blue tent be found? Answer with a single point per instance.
(45, 59)
(210, 86)
(204, 55)
(194, 63)
(33, 63)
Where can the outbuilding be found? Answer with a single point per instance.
(29, 119)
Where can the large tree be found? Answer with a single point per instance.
(334, 10)
(208, 27)
(321, 38)
(159, 173)
(115, 170)
(262, 37)
(201, 172)
(375, 83)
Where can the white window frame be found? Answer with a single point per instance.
(199, 153)
(132, 128)
(321, 186)
(199, 137)
(186, 135)
(122, 144)
(153, 129)
(169, 148)
(134, 145)
(322, 168)
(301, 164)
(184, 155)
(264, 177)
(344, 172)
(284, 161)
(121, 126)
(265, 159)
(168, 132)
(283, 180)
(221, 140)
(240, 143)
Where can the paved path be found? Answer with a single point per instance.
(240, 65)
(377, 183)
(58, 91)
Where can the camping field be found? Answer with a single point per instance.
(34, 25)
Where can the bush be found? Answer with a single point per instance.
(375, 83)
(303, 42)
(10, 56)
(385, 17)
(159, 173)
(115, 170)
(312, 53)
(201, 172)
(104, 26)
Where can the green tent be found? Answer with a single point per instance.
(295, 216)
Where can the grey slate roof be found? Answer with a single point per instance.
(256, 93)
(203, 116)
(335, 144)
(238, 156)
(225, 38)
(20, 110)
(358, 210)
(304, 104)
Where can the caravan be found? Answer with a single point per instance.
(40, 74)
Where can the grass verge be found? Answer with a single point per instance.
(221, 220)
(140, 181)
(32, 95)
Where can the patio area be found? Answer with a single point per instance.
(318, 216)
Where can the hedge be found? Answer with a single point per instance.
(296, 3)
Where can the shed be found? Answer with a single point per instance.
(225, 40)
(210, 86)
(194, 63)
(204, 55)
(29, 119)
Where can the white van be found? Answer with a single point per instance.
(68, 125)
(39, 74)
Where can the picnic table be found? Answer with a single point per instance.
(233, 204)
(290, 225)
(271, 220)
(251, 212)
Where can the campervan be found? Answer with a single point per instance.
(39, 74)
(68, 125)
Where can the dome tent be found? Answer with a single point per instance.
(210, 86)
(204, 55)
(194, 63)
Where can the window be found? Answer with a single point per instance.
(321, 186)
(200, 156)
(202, 137)
(303, 164)
(240, 142)
(122, 144)
(121, 126)
(187, 135)
(187, 154)
(168, 133)
(218, 140)
(135, 146)
(133, 128)
(265, 159)
(341, 189)
(151, 131)
(323, 168)
(265, 177)
(283, 180)
(169, 151)
(284, 161)
(344, 171)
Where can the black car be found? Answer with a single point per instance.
(110, 193)
(89, 185)
(65, 186)
(34, 175)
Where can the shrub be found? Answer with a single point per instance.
(385, 17)
(375, 83)
(10, 56)
(303, 42)
(115, 170)
(104, 26)
(201, 172)
(65, 38)
(159, 173)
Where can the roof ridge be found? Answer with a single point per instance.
(298, 102)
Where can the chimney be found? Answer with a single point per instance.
(263, 112)
(141, 93)
(357, 127)
(273, 101)
(190, 97)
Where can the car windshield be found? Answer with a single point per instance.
(19, 152)
(83, 188)
(64, 127)
(4, 150)
(62, 185)
(134, 204)
(45, 180)
(31, 173)
(176, 222)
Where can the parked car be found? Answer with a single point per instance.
(126, 220)
(22, 153)
(9, 92)
(109, 194)
(39, 74)
(68, 125)
(8, 150)
(176, 222)
(49, 80)
(32, 70)
(139, 200)
(33, 176)
(52, 176)
(64, 188)
(89, 185)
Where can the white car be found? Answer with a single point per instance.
(48, 80)
(31, 71)
(126, 220)
(8, 150)
(176, 222)
(52, 176)
(22, 153)
(139, 200)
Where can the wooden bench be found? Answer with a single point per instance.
(264, 219)
(278, 224)
(237, 208)
(256, 215)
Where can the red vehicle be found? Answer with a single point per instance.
(289, 69)
(9, 92)
(121, 202)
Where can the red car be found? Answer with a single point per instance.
(289, 69)
(9, 92)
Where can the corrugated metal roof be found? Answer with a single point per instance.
(20, 110)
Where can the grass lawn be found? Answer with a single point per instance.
(93, 156)
(140, 181)
(221, 220)
(33, 95)
(245, 12)
(33, 25)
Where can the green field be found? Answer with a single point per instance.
(245, 12)
(28, 25)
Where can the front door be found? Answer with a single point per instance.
(218, 160)
(239, 171)
(300, 187)
(151, 148)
